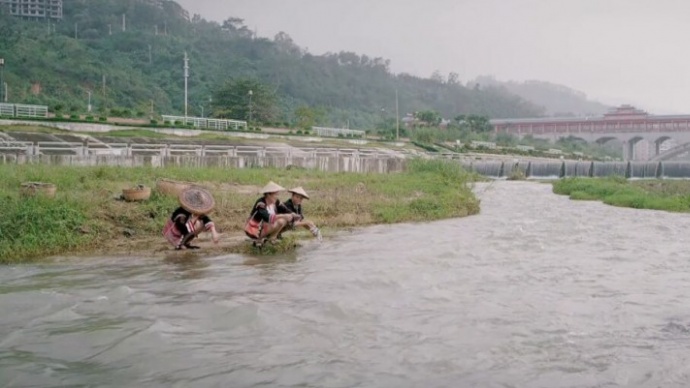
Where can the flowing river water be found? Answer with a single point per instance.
(536, 291)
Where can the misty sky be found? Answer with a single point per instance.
(616, 51)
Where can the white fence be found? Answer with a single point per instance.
(213, 124)
(335, 132)
(21, 110)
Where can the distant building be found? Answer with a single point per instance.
(34, 9)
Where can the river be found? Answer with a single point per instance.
(536, 291)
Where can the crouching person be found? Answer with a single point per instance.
(294, 206)
(190, 219)
(265, 222)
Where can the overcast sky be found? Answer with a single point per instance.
(616, 51)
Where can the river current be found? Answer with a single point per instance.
(536, 291)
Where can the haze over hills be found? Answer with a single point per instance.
(557, 100)
(139, 67)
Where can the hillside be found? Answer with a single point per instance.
(141, 67)
(557, 100)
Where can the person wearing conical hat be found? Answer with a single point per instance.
(264, 221)
(294, 206)
(190, 219)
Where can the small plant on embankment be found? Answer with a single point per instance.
(86, 216)
(617, 191)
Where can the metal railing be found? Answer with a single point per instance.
(335, 132)
(212, 124)
(22, 110)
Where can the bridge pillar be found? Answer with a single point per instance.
(628, 150)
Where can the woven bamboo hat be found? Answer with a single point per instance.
(197, 200)
(272, 187)
(300, 191)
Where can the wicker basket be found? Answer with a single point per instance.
(170, 187)
(31, 189)
(139, 193)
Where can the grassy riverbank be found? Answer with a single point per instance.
(648, 194)
(85, 217)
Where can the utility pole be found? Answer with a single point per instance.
(251, 93)
(89, 105)
(186, 75)
(103, 85)
(124, 23)
(3, 93)
(397, 117)
(76, 30)
(110, 29)
(150, 54)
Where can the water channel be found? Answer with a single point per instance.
(536, 291)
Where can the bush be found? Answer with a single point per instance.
(89, 118)
(74, 117)
(103, 119)
(299, 131)
(154, 122)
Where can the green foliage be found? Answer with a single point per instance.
(40, 226)
(429, 117)
(137, 69)
(617, 191)
(306, 117)
(239, 98)
(84, 215)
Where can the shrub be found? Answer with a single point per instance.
(103, 119)
(154, 122)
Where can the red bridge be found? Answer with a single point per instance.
(626, 123)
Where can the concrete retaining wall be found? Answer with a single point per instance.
(329, 164)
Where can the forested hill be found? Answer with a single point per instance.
(557, 100)
(142, 66)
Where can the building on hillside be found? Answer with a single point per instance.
(34, 9)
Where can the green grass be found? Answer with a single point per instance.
(671, 196)
(85, 216)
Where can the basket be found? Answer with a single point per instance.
(31, 189)
(171, 187)
(139, 193)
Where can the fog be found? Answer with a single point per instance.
(616, 51)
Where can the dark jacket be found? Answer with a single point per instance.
(181, 216)
(260, 213)
(289, 207)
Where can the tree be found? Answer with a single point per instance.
(307, 117)
(429, 117)
(478, 124)
(234, 101)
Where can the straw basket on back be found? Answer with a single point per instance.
(32, 189)
(171, 187)
(138, 193)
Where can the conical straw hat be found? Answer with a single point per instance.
(300, 191)
(197, 200)
(272, 187)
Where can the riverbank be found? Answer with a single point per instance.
(85, 216)
(673, 195)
